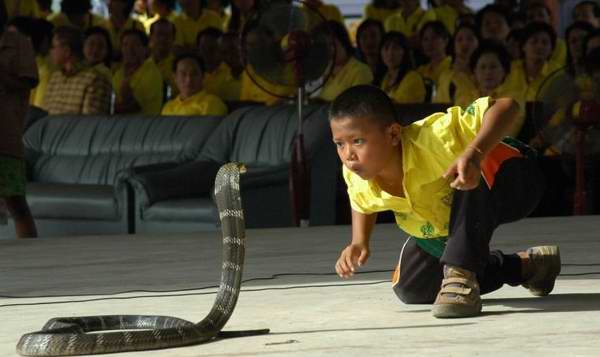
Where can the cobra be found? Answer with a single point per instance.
(69, 336)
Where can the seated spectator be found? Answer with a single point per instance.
(231, 68)
(449, 11)
(380, 10)
(328, 12)
(587, 11)
(120, 20)
(575, 36)
(218, 79)
(158, 9)
(74, 88)
(401, 83)
(347, 70)
(192, 100)
(538, 12)
(77, 13)
(527, 75)
(137, 82)
(409, 20)
(513, 43)
(492, 22)
(26, 8)
(97, 50)
(592, 41)
(459, 76)
(162, 37)
(40, 33)
(192, 20)
(434, 43)
(368, 43)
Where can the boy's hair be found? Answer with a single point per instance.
(364, 101)
(192, 56)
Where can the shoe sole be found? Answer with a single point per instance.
(551, 256)
(455, 310)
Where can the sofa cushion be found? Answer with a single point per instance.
(72, 201)
(200, 210)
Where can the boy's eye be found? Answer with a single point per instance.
(358, 141)
(338, 144)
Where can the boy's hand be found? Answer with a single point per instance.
(465, 172)
(351, 257)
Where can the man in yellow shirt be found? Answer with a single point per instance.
(120, 20)
(409, 19)
(192, 20)
(192, 100)
(137, 82)
(162, 35)
(430, 175)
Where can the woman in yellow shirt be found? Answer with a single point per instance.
(347, 70)
(459, 75)
(539, 12)
(434, 42)
(368, 42)
(192, 100)
(575, 36)
(400, 83)
(97, 50)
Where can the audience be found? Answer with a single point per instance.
(575, 36)
(162, 37)
(368, 45)
(157, 9)
(434, 44)
(538, 12)
(76, 13)
(97, 50)
(409, 19)
(218, 79)
(492, 22)
(120, 20)
(74, 88)
(380, 10)
(192, 20)
(240, 12)
(138, 82)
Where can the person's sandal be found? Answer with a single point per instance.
(459, 295)
(545, 263)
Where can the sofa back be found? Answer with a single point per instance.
(263, 136)
(93, 149)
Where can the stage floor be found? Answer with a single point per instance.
(293, 291)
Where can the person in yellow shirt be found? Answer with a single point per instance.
(162, 36)
(120, 20)
(192, 20)
(157, 9)
(538, 12)
(459, 76)
(409, 19)
(218, 78)
(575, 36)
(137, 82)
(347, 70)
(449, 11)
(327, 12)
(400, 83)
(434, 42)
(76, 13)
(380, 10)
(27, 8)
(435, 176)
(229, 51)
(192, 100)
(368, 43)
(526, 75)
(492, 22)
(97, 51)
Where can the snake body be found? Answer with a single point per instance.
(69, 336)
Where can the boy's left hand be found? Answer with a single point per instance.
(465, 172)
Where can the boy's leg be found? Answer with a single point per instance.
(19, 210)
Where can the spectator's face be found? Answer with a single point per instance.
(489, 73)
(392, 54)
(229, 50)
(116, 8)
(162, 37)
(575, 43)
(140, 6)
(465, 43)
(208, 46)
(188, 77)
(494, 26)
(132, 49)
(59, 52)
(370, 40)
(538, 47)
(538, 14)
(585, 13)
(95, 49)
(434, 45)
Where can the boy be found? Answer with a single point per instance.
(428, 173)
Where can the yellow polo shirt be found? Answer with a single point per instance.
(251, 92)
(377, 13)
(429, 147)
(411, 88)
(221, 83)
(352, 74)
(147, 86)
(411, 24)
(433, 72)
(200, 103)
(518, 86)
(462, 81)
(59, 19)
(115, 35)
(188, 28)
(28, 8)
(45, 69)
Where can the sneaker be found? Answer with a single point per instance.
(545, 264)
(459, 295)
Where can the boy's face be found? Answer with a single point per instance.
(365, 146)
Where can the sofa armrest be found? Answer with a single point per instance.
(154, 183)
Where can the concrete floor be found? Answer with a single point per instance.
(310, 311)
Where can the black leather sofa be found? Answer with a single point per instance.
(75, 162)
(178, 197)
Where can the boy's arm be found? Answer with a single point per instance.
(357, 253)
(496, 123)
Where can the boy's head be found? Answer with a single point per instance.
(189, 74)
(587, 11)
(365, 130)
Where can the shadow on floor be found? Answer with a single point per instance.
(552, 303)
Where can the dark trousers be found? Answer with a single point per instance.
(474, 216)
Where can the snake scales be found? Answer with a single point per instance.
(69, 336)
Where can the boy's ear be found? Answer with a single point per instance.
(394, 131)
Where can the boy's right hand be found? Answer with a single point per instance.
(352, 256)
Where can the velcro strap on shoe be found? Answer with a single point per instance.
(456, 290)
(456, 280)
